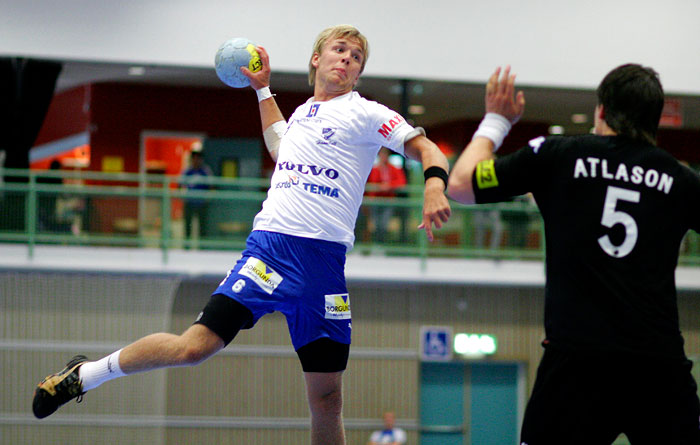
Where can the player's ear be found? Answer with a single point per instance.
(600, 112)
(314, 60)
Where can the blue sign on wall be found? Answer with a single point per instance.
(436, 343)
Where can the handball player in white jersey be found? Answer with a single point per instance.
(295, 256)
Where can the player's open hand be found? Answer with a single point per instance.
(436, 210)
(259, 79)
(501, 97)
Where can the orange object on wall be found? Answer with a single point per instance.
(167, 154)
(78, 157)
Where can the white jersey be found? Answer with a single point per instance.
(394, 435)
(324, 159)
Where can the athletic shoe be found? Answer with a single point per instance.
(57, 389)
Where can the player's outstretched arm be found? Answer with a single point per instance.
(273, 123)
(503, 109)
(436, 207)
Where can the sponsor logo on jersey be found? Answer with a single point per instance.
(486, 174)
(261, 274)
(388, 127)
(303, 120)
(291, 180)
(319, 189)
(338, 307)
(313, 110)
(327, 134)
(308, 169)
(591, 167)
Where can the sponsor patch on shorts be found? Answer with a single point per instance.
(486, 174)
(261, 274)
(338, 307)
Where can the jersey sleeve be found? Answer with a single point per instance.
(388, 128)
(496, 180)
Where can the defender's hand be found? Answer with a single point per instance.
(501, 97)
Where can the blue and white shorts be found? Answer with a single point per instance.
(301, 277)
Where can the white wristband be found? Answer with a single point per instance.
(494, 127)
(263, 93)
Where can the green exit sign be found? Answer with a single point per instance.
(475, 344)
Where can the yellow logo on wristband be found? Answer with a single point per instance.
(486, 174)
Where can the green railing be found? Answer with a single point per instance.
(140, 210)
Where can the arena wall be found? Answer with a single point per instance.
(253, 391)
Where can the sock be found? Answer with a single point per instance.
(93, 374)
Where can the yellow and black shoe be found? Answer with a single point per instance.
(57, 389)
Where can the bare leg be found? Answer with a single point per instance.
(154, 351)
(162, 350)
(325, 395)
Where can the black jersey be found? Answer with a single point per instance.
(615, 211)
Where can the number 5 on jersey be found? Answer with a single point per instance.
(612, 216)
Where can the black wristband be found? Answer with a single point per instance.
(436, 172)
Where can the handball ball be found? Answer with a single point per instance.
(231, 56)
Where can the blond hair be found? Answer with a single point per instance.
(337, 32)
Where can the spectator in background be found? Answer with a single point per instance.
(385, 180)
(390, 434)
(486, 221)
(196, 177)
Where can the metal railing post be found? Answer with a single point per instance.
(165, 219)
(30, 215)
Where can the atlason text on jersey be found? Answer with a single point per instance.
(591, 167)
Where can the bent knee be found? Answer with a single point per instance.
(197, 344)
(191, 355)
(329, 403)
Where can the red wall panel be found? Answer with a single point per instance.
(121, 111)
(68, 114)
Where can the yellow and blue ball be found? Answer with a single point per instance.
(231, 56)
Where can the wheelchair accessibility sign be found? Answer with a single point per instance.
(436, 343)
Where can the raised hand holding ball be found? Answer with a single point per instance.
(231, 56)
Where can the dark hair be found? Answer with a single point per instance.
(632, 98)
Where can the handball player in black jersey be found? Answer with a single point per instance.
(615, 208)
